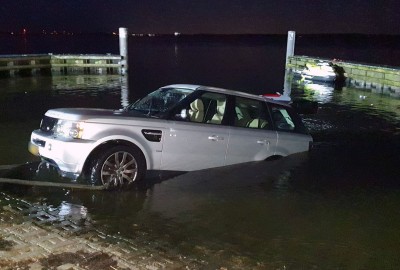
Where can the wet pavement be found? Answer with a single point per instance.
(34, 237)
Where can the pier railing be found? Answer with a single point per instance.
(31, 64)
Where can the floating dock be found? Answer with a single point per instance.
(374, 77)
(48, 64)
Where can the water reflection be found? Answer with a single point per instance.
(185, 193)
(124, 91)
(320, 91)
(29, 98)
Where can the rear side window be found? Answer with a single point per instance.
(285, 119)
(251, 113)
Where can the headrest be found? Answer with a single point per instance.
(197, 105)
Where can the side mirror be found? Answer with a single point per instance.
(183, 115)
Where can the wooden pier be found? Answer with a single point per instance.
(49, 64)
(383, 79)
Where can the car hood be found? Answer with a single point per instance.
(85, 114)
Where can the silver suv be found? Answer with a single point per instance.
(175, 128)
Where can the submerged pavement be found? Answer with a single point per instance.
(30, 243)
(40, 236)
(25, 245)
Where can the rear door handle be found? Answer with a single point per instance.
(215, 138)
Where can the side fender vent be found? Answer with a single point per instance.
(152, 135)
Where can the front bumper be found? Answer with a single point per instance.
(69, 155)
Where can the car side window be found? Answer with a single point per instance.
(282, 118)
(208, 108)
(251, 113)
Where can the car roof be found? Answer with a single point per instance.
(196, 87)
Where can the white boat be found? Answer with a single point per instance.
(320, 72)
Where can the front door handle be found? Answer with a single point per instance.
(264, 142)
(215, 138)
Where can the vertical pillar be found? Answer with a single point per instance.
(290, 45)
(287, 85)
(123, 49)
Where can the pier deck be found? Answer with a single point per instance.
(31, 64)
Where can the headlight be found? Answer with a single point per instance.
(69, 129)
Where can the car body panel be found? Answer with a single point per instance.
(69, 155)
(250, 145)
(166, 143)
(290, 143)
(194, 146)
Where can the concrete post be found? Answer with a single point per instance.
(287, 85)
(290, 45)
(123, 49)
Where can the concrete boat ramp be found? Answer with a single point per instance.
(26, 182)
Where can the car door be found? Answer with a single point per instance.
(200, 141)
(252, 137)
(292, 135)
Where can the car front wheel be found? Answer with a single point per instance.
(119, 167)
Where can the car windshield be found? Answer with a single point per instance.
(159, 101)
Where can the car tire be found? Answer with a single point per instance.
(118, 167)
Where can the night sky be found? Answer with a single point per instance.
(203, 16)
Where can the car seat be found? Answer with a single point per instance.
(219, 114)
(196, 111)
(257, 123)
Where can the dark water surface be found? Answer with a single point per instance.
(334, 208)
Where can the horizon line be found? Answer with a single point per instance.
(177, 34)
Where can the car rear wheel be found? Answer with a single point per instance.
(119, 167)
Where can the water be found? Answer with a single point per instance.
(335, 208)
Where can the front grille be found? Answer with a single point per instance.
(48, 124)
